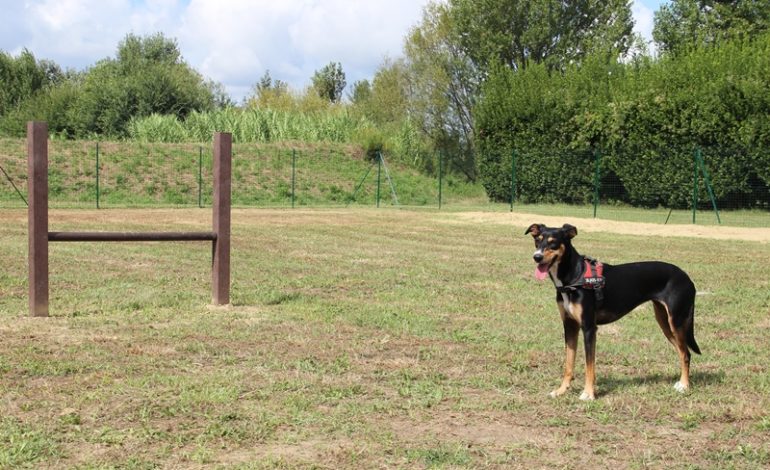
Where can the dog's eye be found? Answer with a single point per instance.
(553, 246)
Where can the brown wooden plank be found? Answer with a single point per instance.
(130, 236)
(220, 271)
(37, 213)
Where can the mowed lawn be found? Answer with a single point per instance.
(366, 338)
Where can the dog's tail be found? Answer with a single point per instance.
(691, 332)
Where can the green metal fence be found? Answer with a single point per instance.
(128, 174)
(700, 185)
(669, 186)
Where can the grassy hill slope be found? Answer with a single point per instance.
(141, 174)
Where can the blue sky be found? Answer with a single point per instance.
(230, 41)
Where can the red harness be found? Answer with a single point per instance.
(591, 280)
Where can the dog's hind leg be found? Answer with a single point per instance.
(680, 339)
(680, 321)
(661, 315)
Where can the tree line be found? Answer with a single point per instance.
(478, 79)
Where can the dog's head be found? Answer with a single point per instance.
(550, 246)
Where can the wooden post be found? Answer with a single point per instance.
(220, 270)
(37, 184)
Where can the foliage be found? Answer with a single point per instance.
(148, 76)
(646, 117)
(362, 91)
(249, 125)
(683, 24)
(269, 93)
(443, 86)
(56, 105)
(520, 33)
(453, 50)
(329, 82)
(22, 77)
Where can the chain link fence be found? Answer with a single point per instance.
(701, 185)
(669, 186)
(129, 174)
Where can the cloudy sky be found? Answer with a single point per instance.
(230, 41)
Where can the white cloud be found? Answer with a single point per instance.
(237, 41)
(230, 41)
(75, 33)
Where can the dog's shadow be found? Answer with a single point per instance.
(611, 383)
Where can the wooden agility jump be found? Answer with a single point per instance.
(39, 236)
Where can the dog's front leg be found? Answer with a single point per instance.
(571, 332)
(589, 339)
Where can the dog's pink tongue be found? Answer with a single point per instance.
(541, 271)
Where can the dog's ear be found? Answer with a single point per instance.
(535, 229)
(569, 230)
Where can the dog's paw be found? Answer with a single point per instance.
(559, 391)
(585, 396)
(680, 387)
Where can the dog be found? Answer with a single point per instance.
(589, 293)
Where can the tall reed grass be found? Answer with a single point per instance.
(250, 125)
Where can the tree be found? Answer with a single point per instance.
(683, 24)
(24, 76)
(270, 93)
(362, 92)
(452, 51)
(444, 85)
(557, 33)
(329, 82)
(148, 76)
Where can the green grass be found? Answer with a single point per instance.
(134, 174)
(365, 339)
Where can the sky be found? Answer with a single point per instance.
(233, 42)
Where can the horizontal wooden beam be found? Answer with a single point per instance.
(130, 236)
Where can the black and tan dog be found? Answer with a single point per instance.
(590, 293)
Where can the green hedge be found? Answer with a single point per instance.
(646, 117)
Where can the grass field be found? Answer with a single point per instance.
(368, 339)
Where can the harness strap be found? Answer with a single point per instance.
(592, 279)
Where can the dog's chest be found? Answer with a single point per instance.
(574, 310)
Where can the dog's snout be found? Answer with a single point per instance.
(538, 257)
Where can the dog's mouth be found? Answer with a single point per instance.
(541, 271)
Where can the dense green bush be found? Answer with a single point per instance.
(646, 117)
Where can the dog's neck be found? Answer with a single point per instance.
(569, 268)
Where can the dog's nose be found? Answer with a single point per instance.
(538, 257)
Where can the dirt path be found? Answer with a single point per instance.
(625, 228)
(194, 217)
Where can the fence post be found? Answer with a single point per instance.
(293, 174)
(707, 181)
(597, 179)
(513, 177)
(695, 185)
(200, 176)
(37, 213)
(97, 175)
(379, 171)
(220, 271)
(440, 175)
